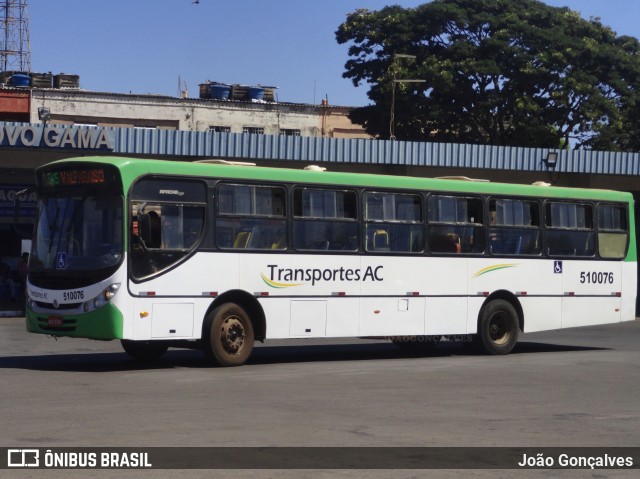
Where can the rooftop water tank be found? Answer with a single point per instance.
(20, 80)
(255, 93)
(220, 92)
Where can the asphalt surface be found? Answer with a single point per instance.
(577, 387)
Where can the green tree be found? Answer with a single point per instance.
(503, 72)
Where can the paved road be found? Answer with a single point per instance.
(576, 387)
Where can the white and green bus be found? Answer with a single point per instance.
(161, 254)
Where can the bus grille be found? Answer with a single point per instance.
(68, 325)
(60, 306)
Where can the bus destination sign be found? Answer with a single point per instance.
(74, 177)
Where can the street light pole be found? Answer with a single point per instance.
(393, 106)
(392, 135)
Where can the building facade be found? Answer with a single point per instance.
(85, 108)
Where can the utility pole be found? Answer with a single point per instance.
(393, 66)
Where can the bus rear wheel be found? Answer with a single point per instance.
(228, 335)
(498, 327)
(144, 350)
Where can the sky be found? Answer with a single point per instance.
(152, 46)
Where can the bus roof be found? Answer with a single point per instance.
(133, 168)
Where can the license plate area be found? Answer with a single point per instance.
(55, 321)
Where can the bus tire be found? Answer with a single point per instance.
(144, 350)
(497, 327)
(228, 335)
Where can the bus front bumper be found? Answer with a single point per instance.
(104, 323)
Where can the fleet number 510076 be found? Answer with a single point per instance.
(596, 277)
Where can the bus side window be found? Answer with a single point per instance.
(455, 224)
(570, 229)
(613, 231)
(325, 220)
(251, 217)
(164, 231)
(514, 227)
(393, 222)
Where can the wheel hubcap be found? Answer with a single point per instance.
(233, 335)
(499, 329)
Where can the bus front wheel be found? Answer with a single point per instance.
(144, 350)
(228, 335)
(498, 327)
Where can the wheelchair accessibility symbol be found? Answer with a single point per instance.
(61, 260)
(557, 267)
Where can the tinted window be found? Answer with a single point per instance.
(325, 220)
(251, 200)
(570, 229)
(251, 217)
(515, 227)
(455, 224)
(165, 226)
(393, 222)
(315, 203)
(613, 233)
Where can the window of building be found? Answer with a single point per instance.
(325, 220)
(289, 132)
(255, 130)
(220, 129)
(393, 222)
(455, 224)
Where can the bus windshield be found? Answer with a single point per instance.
(77, 233)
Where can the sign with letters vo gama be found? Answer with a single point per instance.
(52, 137)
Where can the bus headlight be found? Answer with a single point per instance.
(103, 298)
(111, 291)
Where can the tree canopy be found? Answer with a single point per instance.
(502, 72)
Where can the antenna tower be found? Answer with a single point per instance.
(15, 49)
